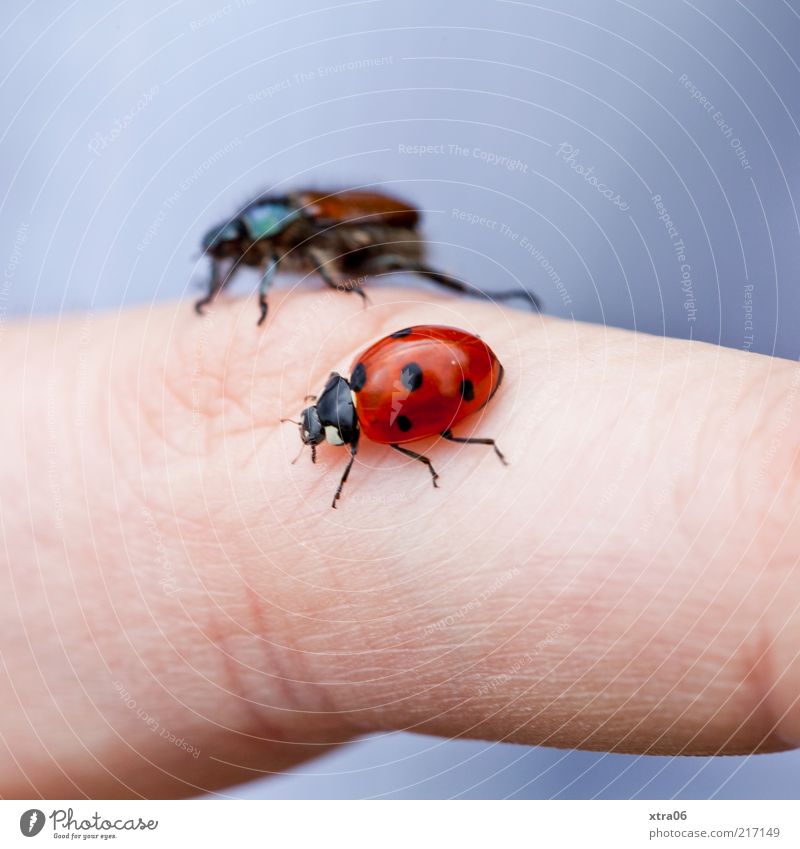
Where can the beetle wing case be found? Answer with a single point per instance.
(356, 207)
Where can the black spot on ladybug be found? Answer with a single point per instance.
(467, 390)
(399, 334)
(411, 376)
(404, 423)
(358, 378)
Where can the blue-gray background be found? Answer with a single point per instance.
(129, 128)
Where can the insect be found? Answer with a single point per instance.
(343, 236)
(416, 383)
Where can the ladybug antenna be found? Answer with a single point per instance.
(292, 421)
(299, 453)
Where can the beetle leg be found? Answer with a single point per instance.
(267, 273)
(393, 262)
(421, 457)
(360, 292)
(338, 282)
(470, 440)
(216, 283)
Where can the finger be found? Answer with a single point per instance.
(626, 583)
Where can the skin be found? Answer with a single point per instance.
(172, 582)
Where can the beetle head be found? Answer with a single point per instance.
(224, 240)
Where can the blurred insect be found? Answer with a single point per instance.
(343, 236)
(416, 383)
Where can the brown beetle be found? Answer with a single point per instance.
(343, 236)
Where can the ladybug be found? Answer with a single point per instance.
(343, 236)
(415, 383)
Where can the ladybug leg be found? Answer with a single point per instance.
(421, 457)
(218, 280)
(267, 273)
(353, 450)
(335, 281)
(470, 440)
(392, 262)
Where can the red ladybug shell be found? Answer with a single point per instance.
(421, 381)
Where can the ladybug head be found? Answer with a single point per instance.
(311, 430)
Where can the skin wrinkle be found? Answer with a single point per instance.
(775, 565)
(256, 673)
(290, 696)
(725, 425)
(260, 724)
(678, 687)
(76, 689)
(256, 720)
